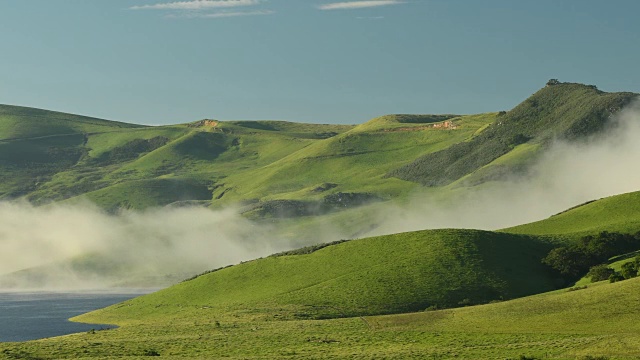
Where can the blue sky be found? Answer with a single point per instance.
(322, 61)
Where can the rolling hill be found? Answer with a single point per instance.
(305, 182)
(388, 274)
(329, 302)
(447, 293)
(565, 111)
(619, 213)
(279, 168)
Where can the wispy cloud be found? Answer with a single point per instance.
(197, 5)
(192, 15)
(359, 4)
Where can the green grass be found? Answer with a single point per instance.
(512, 163)
(331, 303)
(147, 193)
(62, 156)
(277, 307)
(387, 274)
(564, 111)
(619, 213)
(356, 160)
(21, 122)
(602, 320)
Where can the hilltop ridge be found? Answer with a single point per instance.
(566, 111)
(221, 162)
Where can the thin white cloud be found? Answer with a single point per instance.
(221, 14)
(359, 4)
(197, 5)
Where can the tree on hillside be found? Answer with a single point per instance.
(574, 260)
(600, 272)
(567, 260)
(629, 270)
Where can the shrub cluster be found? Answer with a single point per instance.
(629, 270)
(574, 260)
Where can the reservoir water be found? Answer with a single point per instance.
(35, 315)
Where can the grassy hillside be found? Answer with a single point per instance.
(285, 168)
(561, 111)
(37, 144)
(619, 213)
(277, 307)
(599, 322)
(62, 156)
(18, 122)
(356, 160)
(388, 274)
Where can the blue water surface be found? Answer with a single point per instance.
(35, 315)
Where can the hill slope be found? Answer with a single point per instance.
(619, 213)
(283, 168)
(560, 111)
(388, 274)
(598, 322)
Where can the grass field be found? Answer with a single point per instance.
(601, 320)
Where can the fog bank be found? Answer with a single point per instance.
(116, 249)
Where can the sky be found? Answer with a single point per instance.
(322, 61)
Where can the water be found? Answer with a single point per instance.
(35, 315)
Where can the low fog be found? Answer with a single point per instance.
(131, 246)
(143, 248)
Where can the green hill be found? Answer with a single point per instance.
(387, 274)
(18, 122)
(619, 213)
(62, 156)
(356, 160)
(285, 168)
(558, 111)
(379, 297)
(598, 322)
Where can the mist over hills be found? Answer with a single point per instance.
(280, 185)
(370, 240)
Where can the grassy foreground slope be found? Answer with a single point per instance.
(602, 320)
(272, 307)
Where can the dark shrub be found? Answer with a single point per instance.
(600, 272)
(615, 277)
